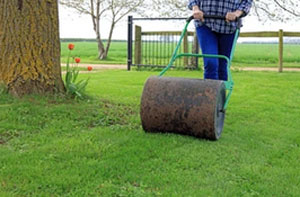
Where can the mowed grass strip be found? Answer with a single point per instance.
(52, 146)
(246, 55)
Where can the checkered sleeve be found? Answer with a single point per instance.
(193, 3)
(245, 6)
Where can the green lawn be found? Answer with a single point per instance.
(50, 146)
(247, 55)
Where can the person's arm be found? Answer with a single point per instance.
(243, 10)
(245, 7)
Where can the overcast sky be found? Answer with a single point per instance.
(73, 25)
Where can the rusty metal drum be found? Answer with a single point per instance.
(184, 106)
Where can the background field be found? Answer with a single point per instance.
(247, 55)
(52, 146)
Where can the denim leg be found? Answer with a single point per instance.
(225, 45)
(209, 45)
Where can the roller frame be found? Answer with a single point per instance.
(229, 83)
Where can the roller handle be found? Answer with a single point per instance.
(210, 17)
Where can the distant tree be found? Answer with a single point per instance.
(275, 10)
(170, 8)
(30, 47)
(98, 9)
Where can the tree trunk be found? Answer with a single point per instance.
(109, 37)
(30, 47)
(101, 50)
(96, 25)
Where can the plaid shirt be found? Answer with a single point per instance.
(220, 8)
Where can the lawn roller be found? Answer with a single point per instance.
(187, 106)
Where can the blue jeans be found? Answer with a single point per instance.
(216, 44)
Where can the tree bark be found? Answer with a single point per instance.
(30, 47)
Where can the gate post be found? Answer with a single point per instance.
(280, 35)
(129, 43)
(185, 49)
(138, 45)
(195, 60)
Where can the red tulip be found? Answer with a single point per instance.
(77, 60)
(89, 68)
(71, 46)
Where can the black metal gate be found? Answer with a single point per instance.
(155, 48)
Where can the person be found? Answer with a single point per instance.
(216, 36)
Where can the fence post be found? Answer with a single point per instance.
(138, 45)
(185, 49)
(280, 35)
(129, 43)
(195, 50)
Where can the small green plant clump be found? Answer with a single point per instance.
(3, 88)
(75, 88)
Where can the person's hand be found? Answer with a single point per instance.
(232, 16)
(198, 14)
